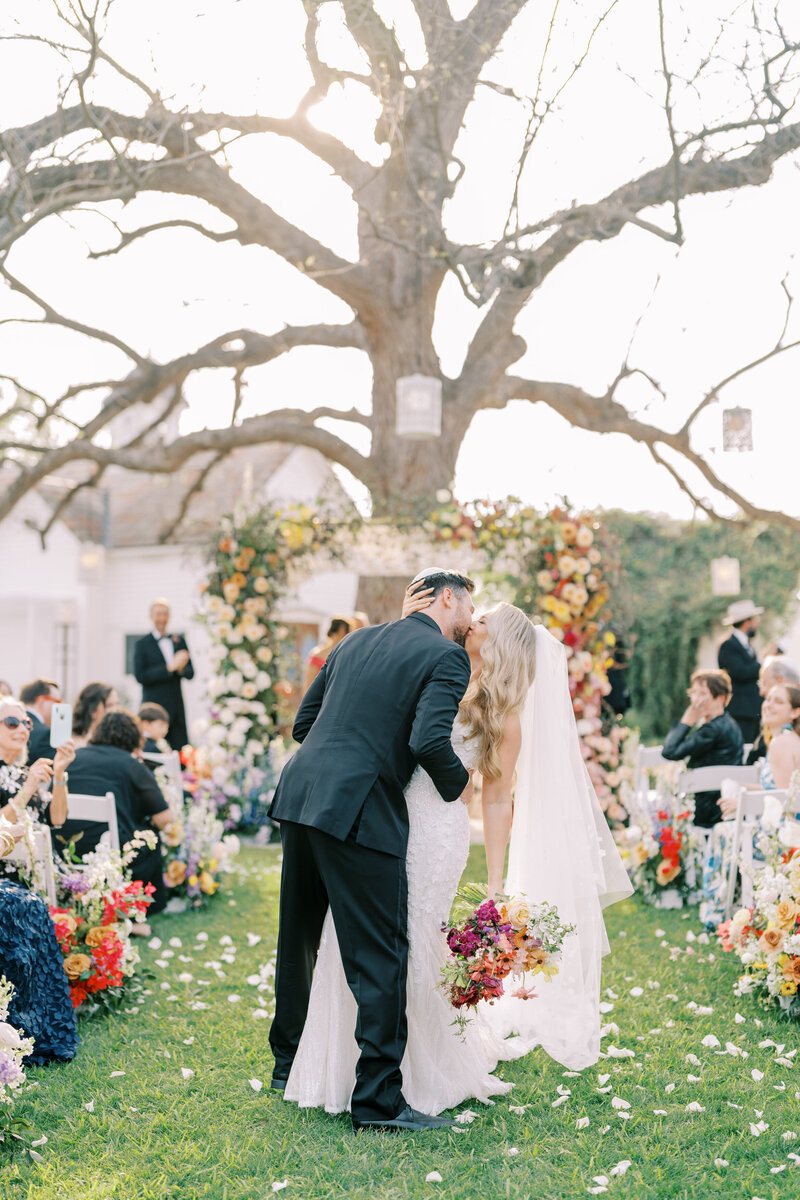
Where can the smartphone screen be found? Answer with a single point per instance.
(60, 725)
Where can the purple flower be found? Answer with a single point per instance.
(77, 884)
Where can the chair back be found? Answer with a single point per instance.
(709, 779)
(43, 850)
(97, 808)
(749, 808)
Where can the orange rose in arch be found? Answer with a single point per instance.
(668, 869)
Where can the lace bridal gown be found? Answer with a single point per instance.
(440, 1069)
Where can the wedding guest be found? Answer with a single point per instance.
(25, 788)
(154, 720)
(707, 736)
(337, 630)
(94, 701)
(774, 669)
(737, 656)
(31, 959)
(160, 661)
(781, 717)
(39, 698)
(107, 764)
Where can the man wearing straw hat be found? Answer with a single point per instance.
(737, 656)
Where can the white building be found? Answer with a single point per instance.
(72, 609)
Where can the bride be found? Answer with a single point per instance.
(516, 715)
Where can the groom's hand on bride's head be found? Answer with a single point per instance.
(416, 599)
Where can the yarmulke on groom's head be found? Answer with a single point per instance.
(439, 578)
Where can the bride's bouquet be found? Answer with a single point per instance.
(496, 939)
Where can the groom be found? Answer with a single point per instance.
(384, 701)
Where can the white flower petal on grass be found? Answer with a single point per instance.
(670, 1087)
(36, 1156)
(188, 1041)
(756, 1075)
(601, 1179)
(777, 1170)
(582, 1123)
(175, 942)
(618, 1103)
(519, 1109)
(621, 1167)
(226, 940)
(712, 1042)
(739, 1019)
(466, 1118)
(619, 1052)
(794, 1157)
(113, 1075)
(89, 1106)
(659, 1112)
(279, 1185)
(730, 1104)
(659, 932)
(187, 1072)
(693, 1079)
(571, 1074)
(596, 1191)
(783, 1061)
(637, 991)
(563, 1090)
(201, 936)
(513, 1151)
(693, 1106)
(560, 1100)
(42, 1141)
(758, 1129)
(694, 1060)
(605, 1007)
(788, 1136)
(604, 1078)
(259, 1014)
(603, 1090)
(185, 977)
(234, 998)
(721, 1162)
(155, 943)
(255, 1084)
(253, 939)
(433, 1177)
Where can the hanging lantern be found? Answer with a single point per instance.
(737, 429)
(725, 579)
(419, 407)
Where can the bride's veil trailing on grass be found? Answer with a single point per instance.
(561, 851)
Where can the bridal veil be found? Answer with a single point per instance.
(561, 851)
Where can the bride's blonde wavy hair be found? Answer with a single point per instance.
(509, 664)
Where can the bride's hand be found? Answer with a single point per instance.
(468, 792)
(416, 599)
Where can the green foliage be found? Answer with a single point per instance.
(663, 601)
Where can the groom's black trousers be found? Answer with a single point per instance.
(368, 897)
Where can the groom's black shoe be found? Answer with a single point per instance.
(407, 1121)
(278, 1083)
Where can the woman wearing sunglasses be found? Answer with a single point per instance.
(30, 956)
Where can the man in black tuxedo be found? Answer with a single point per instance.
(39, 698)
(384, 701)
(737, 656)
(160, 661)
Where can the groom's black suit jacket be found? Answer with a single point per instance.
(385, 700)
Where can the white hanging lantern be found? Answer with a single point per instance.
(725, 579)
(737, 429)
(419, 407)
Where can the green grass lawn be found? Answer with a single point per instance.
(151, 1134)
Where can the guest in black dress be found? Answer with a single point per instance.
(30, 956)
(707, 736)
(108, 764)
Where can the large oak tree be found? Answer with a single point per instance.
(727, 91)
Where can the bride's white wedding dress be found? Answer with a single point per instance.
(440, 1069)
(561, 851)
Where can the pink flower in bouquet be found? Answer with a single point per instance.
(524, 993)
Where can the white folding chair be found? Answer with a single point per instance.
(709, 779)
(749, 811)
(96, 808)
(171, 763)
(43, 847)
(647, 759)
